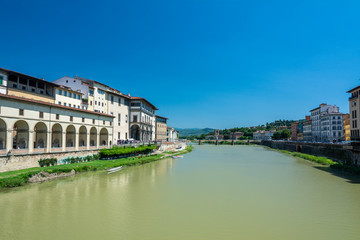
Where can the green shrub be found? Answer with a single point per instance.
(120, 152)
(46, 162)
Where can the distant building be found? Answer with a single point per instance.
(347, 134)
(307, 129)
(236, 135)
(294, 131)
(161, 128)
(326, 124)
(263, 135)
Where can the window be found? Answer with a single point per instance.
(112, 99)
(83, 119)
(104, 122)
(90, 103)
(74, 95)
(118, 135)
(110, 123)
(41, 114)
(69, 94)
(91, 92)
(59, 103)
(78, 96)
(65, 104)
(21, 112)
(95, 102)
(100, 92)
(93, 121)
(65, 93)
(60, 92)
(1, 80)
(74, 106)
(57, 116)
(102, 104)
(119, 101)
(71, 118)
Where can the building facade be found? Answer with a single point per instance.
(161, 128)
(263, 135)
(142, 119)
(35, 123)
(347, 135)
(354, 107)
(307, 131)
(324, 127)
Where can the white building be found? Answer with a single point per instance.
(93, 92)
(323, 127)
(31, 121)
(263, 135)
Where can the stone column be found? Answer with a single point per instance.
(31, 142)
(88, 140)
(98, 140)
(48, 141)
(63, 144)
(9, 140)
(77, 142)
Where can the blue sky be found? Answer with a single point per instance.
(217, 64)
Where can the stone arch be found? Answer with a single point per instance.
(2, 134)
(70, 136)
(93, 137)
(56, 136)
(20, 135)
(104, 136)
(135, 132)
(82, 136)
(40, 135)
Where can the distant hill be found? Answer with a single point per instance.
(186, 132)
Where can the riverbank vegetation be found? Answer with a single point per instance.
(323, 161)
(120, 152)
(21, 177)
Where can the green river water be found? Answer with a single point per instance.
(215, 192)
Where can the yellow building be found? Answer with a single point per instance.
(161, 127)
(346, 119)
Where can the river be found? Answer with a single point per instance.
(215, 192)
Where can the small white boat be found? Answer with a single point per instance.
(177, 156)
(112, 170)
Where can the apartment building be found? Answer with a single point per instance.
(323, 126)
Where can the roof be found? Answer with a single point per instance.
(161, 117)
(353, 89)
(315, 109)
(27, 76)
(52, 105)
(143, 99)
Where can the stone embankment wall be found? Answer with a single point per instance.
(346, 154)
(17, 162)
(170, 146)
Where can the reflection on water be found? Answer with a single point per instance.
(215, 192)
